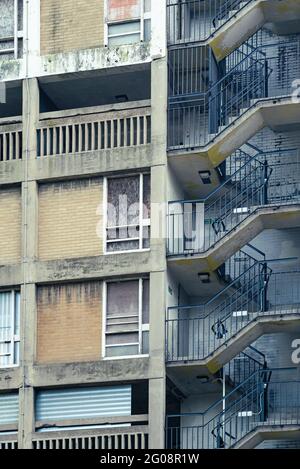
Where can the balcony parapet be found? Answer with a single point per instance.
(94, 129)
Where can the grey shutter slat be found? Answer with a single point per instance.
(83, 403)
(9, 408)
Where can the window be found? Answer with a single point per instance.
(9, 412)
(9, 328)
(11, 28)
(128, 213)
(81, 404)
(132, 30)
(126, 318)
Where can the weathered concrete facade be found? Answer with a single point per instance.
(194, 299)
(52, 201)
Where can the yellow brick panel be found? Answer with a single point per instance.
(69, 219)
(69, 324)
(68, 25)
(10, 226)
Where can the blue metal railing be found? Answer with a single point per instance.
(198, 111)
(269, 397)
(244, 365)
(196, 332)
(197, 20)
(269, 178)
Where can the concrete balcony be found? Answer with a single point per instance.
(92, 129)
(263, 407)
(105, 439)
(129, 432)
(201, 339)
(10, 139)
(8, 442)
(86, 141)
(207, 124)
(203, 234)
(224, 26)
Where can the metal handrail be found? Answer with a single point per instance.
(198, 115)
(213, 15)
(260, 182)
(270, 396)
(196, 332)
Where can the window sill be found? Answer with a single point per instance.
(127, 252)
(125, 357)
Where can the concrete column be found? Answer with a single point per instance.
(26, 419)
(31, 105)
(29, 255)
(157, 381)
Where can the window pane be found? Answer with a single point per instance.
(123, 298)
(123, 201)
(124, 28)
(124, 246)
(113, 339)
(145, 345)
(147, 31)
(7, 19)
(122, 351)
(146, 196)
(17, 313)
(123, 40)
(123, 233)
(146, 237)
(147, 6)
(145, 314)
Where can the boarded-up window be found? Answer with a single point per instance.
(128, 213)
(127, 317)
(11, 28)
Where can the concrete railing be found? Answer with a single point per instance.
(91, 129)
(109, 438)
(10, 139)
(9, 442)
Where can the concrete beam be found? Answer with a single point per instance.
(102, 371)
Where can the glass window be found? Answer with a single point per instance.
(127, 318)
(9, 328)
(124, 33)
(134, 29)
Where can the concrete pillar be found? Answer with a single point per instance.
(26, 419)
(29, 255)
(157, 381)
(31, 105)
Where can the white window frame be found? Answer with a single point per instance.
(18, 34)
(14, 338)
(142, 18)
(143, 222)
(142, 327)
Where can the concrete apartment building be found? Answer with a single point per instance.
(177, 325)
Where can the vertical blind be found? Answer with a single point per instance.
(9, 328)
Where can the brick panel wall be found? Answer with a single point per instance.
(69, 218)
(68, 25)
(69, 325)
(10, 226)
